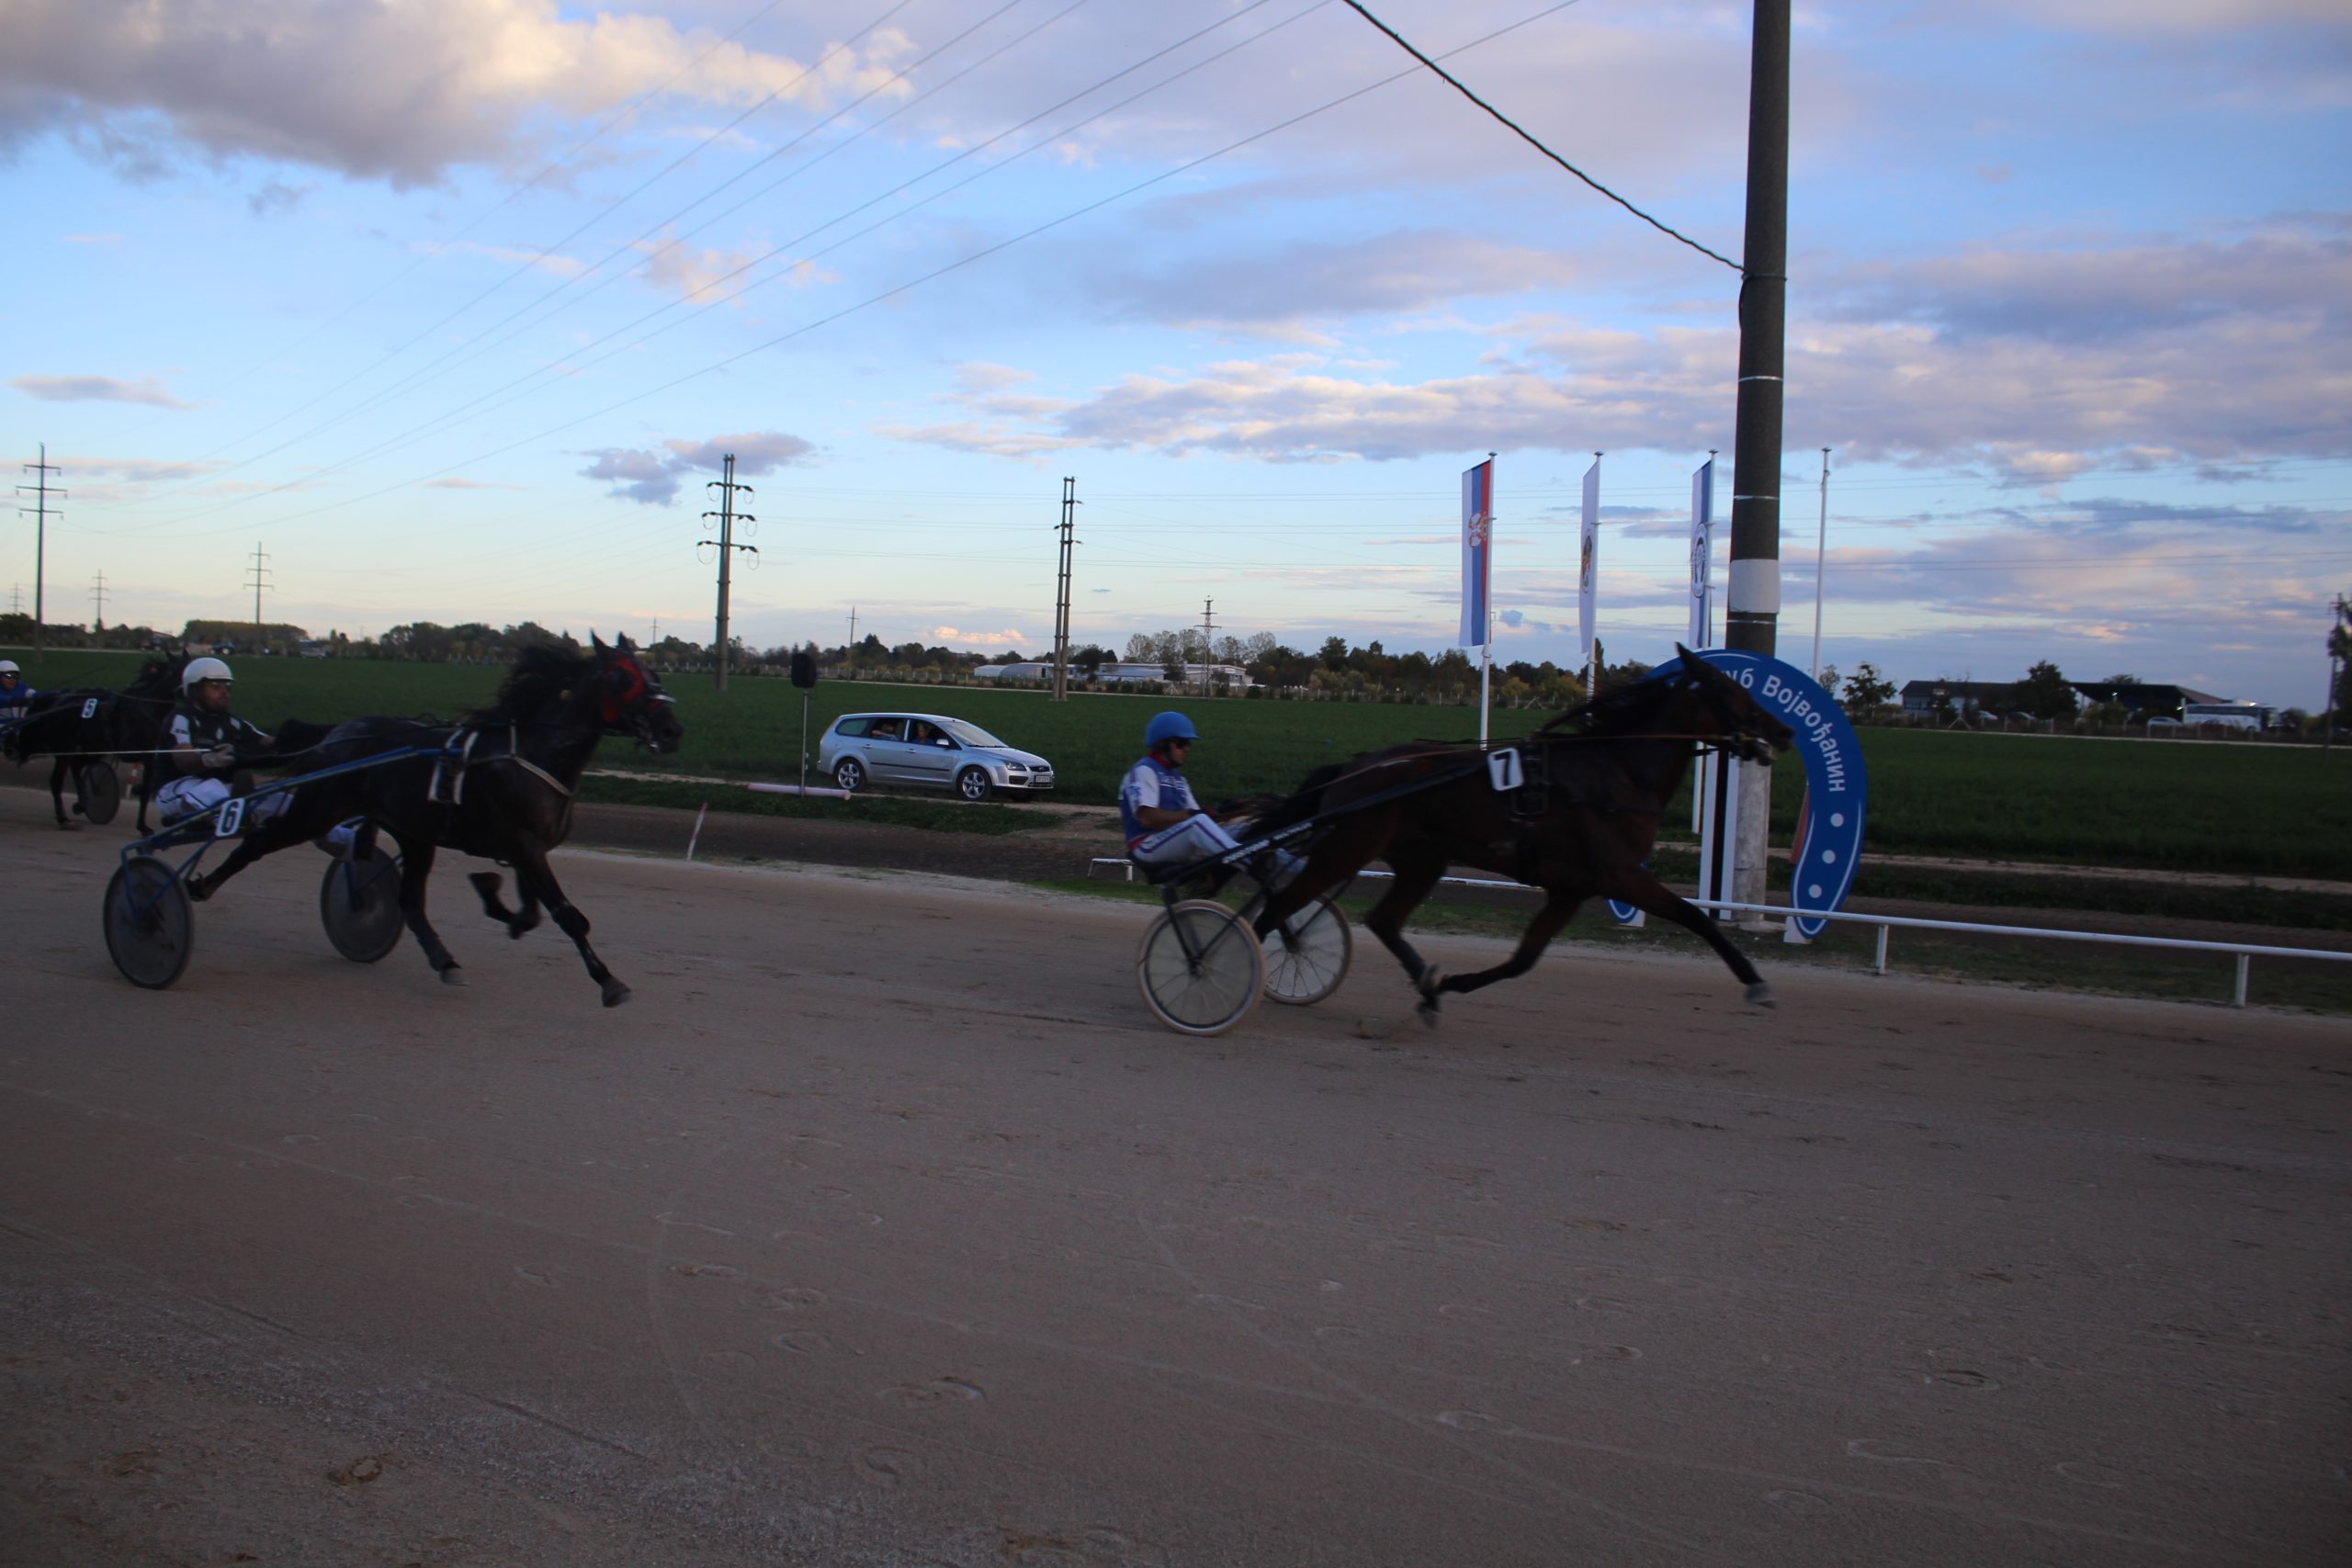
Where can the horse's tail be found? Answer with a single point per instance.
(1299, 805)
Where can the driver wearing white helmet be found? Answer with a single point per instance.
(14, 692)
(206, 746)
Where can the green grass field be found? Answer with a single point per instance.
(2274, 810)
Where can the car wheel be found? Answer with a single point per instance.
(972, 783)
(849, 776)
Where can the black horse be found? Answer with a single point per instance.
(89, 726)
(1598, 778)
(498, 785)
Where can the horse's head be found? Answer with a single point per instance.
(631, 699)
(1724, 706)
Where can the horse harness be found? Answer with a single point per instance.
(464, 750)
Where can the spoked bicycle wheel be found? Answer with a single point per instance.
(359, 903)
(151, 927)
(100, 788)
(1200, 968)
(1308, 958)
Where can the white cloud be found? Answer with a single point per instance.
(1010, 638)
(677, 268)
(96, 390)
(399, 92)
(654, 478)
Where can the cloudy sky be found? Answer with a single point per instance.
(451, 307)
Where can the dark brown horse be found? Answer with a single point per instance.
(1597, 777)
(499, 785)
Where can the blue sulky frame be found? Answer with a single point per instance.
(147, 915)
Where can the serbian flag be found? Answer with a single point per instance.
(1588, 572)
(1477, 552)
(1702, 555)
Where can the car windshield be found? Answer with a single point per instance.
(971, 734)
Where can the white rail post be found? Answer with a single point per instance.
(2245, 964)
(1883, 932)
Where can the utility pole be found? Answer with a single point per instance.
(99, 602)
(39, 487)
(2339, 652)
(728, 517)
(1751, 621)
(1208, 642)
(1062, 592)
(853, 641)
(260, 573)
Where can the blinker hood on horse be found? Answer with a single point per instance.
(499, 783)
(1598, 778)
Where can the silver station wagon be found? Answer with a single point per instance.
(927, 750)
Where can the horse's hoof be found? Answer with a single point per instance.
(1375, 1029)
(517, 930)
(453, 976)
(616, 993)
(199, 889)
(1759, 995)
(1427, 1013)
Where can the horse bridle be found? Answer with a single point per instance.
(1738, 740)
(630, 700)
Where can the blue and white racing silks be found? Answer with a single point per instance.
(12, 699)
(1151, 782)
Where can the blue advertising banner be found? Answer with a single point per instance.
(1830, 829)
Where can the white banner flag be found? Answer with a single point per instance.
(1588, 574)
(1702, 555)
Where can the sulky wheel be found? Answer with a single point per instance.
(100, 789)
(1200, 968)
(1308, 958)
(151, 927)
(359, 903)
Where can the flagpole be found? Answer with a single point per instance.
(1820, 550)
(1486, 632)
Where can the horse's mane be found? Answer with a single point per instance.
(1614, 712)
(541, 675)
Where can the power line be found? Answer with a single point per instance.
(573, 361)
(911, 284)
(1357, 8)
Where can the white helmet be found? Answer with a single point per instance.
(204, 669)
(8, 667)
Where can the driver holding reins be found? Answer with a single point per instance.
(1164, 825)
(206, 747)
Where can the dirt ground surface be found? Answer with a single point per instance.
(884, 1228)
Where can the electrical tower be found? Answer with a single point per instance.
(852, 641)
(1062, 592)
(1208, 642)
(39, 487)
(99, 602)
(728, 517)
(261, 575)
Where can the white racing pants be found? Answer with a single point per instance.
(183, 798)
(1197, 838)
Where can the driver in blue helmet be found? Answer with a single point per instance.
(1165, 826)
(15, 693)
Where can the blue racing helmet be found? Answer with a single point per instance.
(1167, 727)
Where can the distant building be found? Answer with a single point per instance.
(1925, 699)
(1233, 676)
(2147, 699)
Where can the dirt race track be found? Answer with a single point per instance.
(886, 1228)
